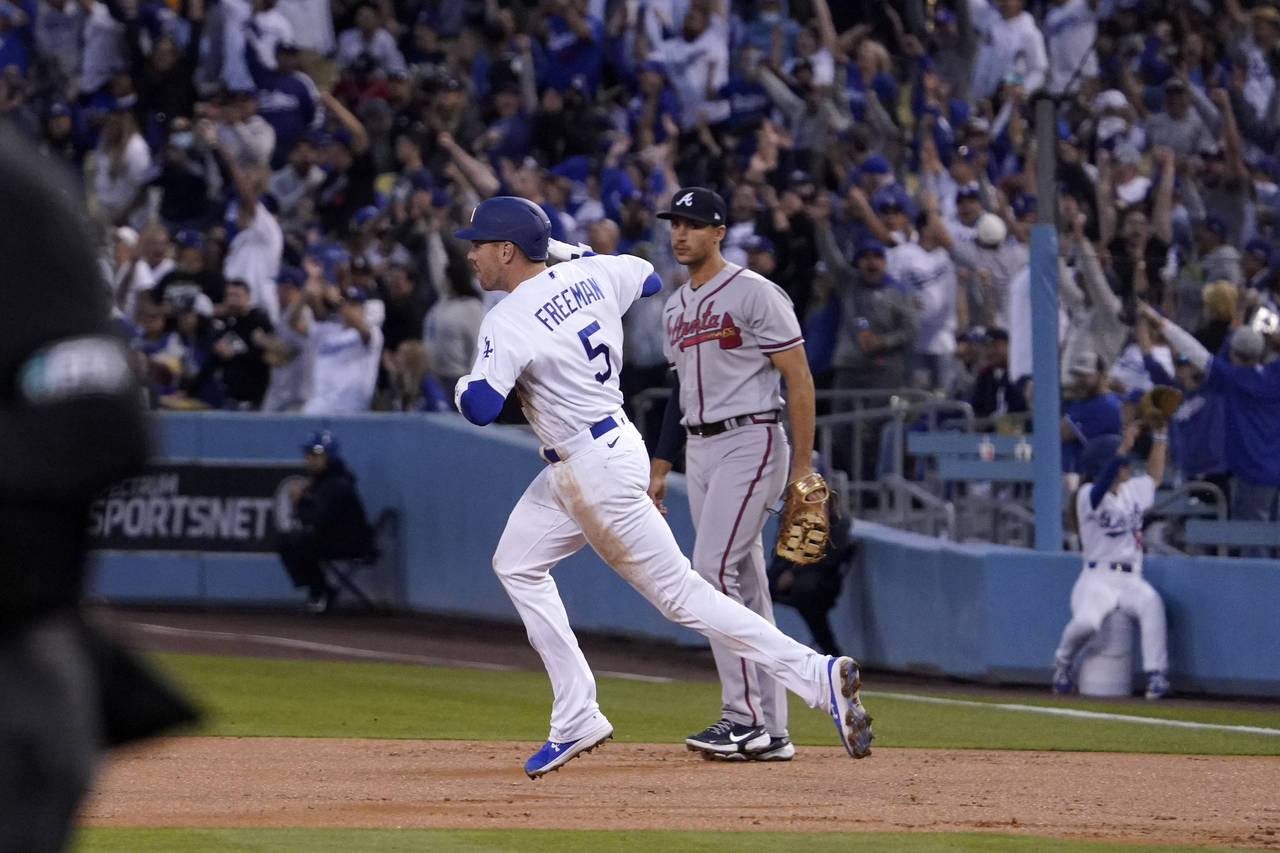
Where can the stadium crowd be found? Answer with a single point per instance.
(277, 183)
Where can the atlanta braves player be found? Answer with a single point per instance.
(1109, 506)
(556, 338)
(730, 335)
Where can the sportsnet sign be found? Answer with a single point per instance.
(234, 507)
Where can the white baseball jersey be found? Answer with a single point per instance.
(719, 339)
(930, 280)
(1112, 533)
(557, 339)
(345, 368)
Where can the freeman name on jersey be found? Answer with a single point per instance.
(568, 301)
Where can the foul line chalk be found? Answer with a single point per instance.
(360, 654)
(1075, 712)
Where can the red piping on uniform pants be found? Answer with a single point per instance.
(768, 448)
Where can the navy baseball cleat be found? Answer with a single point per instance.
(1062, 683)
(725, 738)
(555, 753)
(1157, 685)
(851, 719)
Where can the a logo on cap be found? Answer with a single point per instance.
(686, 200)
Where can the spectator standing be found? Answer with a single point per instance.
(701, 53)
(120, 165)
(188, 179)
(1010, 44)
(927, 273)
(253, 256)
(1070, 29)
(1251, 392)
(575, 46)
(291, 360)
(236, 358)
(287, 98)
(349, 183)
(878, 323)
(128, 275)
(191, 280)
(451, 326)
(1093, 412)
(347, 349)
(369, 38)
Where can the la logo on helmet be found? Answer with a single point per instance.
(685, 200)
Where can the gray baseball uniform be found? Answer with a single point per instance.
(719, 338)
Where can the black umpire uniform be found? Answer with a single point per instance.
(70, 424)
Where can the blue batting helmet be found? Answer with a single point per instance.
(515, 220)
(322, 441)
(1097, 453)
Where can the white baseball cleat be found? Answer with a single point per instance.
(851, 719)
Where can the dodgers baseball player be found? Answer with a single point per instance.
(1109, 506)
(730, 335)
(556, 339)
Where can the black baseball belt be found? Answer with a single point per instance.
(717, 427)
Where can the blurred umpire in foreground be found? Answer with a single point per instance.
(70, 424)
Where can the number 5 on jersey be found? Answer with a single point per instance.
(597, 350)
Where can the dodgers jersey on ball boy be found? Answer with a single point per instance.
(557, 339)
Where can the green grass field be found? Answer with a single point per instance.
(247, 696)
(100, 840)
(269, 697)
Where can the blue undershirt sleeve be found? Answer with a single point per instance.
(1103, 484)
(672, 436)
(480, 404)
(652, 284)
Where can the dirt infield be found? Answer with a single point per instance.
(451, 784)
(1208, 800)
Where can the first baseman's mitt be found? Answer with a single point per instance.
(1158, 405)
(804, 528)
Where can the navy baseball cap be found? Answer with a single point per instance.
(291, 275)
(363, 215)
(1260, 247)
(758, 243)
(1097, 453)
(355, 294)
(869, 245)
(697, 204)
(969, 190)
(1023, 203)
(321, 441)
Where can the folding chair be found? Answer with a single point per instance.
(343, 569)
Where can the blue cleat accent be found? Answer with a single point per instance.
(1158, 685)
(1062, 681)
(851, 719)
(555, 753)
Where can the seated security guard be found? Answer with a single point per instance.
(330, 521)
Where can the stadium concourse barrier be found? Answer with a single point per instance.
(910, 603)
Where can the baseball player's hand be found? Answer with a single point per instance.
(658, 483)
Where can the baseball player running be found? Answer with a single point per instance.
(557, 339)
(1109, 506)
(730, 335)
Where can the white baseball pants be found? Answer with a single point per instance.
(598, 496)
(1100, 590)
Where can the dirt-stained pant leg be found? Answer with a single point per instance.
(734, 478)
(50, 738)
(539, 534)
